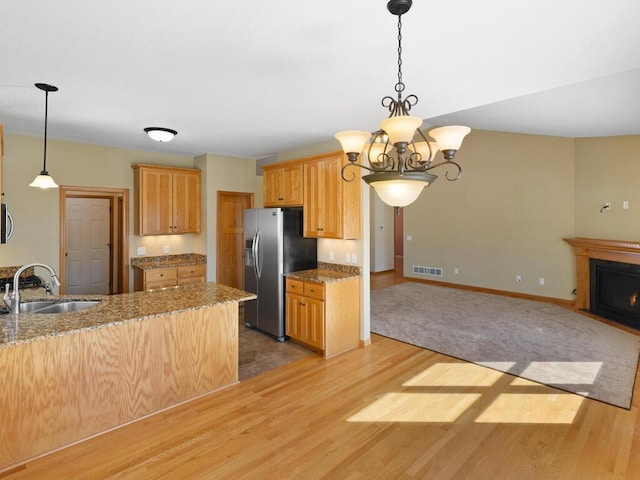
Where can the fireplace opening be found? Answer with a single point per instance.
(615, 291)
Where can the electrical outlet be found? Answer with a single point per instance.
(348, 258)
(165, 249)
(331, 256)
(409, 238)
(518, 278)
(541, 281)
(625, 205)
(141, 251)
(354, 258)
(456, 271)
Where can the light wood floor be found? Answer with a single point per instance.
(388, 411)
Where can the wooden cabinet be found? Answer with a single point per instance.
(325, 317)
(331, 204)
(154, 278)
(166, 200)
(283, 185)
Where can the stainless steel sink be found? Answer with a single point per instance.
(56, 306)
(26, 307)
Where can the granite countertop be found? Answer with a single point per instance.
(114, 310)
(326, 273)
(161, 261)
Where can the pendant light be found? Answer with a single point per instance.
(399, 154)
(44, 180)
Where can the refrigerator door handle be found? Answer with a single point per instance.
(256, 254)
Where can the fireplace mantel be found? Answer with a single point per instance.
(588, 248)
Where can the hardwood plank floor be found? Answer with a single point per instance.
(388, 411)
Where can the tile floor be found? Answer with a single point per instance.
(258, 352)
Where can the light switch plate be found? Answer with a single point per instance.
(141, 251)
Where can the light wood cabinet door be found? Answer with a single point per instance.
(186, 202)
(154, 202)
(272, 186)
(314, 322)
(294, 315)
(331, 205)
(293, 185)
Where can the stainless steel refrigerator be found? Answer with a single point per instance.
(274, 245)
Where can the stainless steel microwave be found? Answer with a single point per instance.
(6, 224)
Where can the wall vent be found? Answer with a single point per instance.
(432, 271)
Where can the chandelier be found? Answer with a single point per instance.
(399, 154)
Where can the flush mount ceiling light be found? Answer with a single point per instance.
(160, 134)
(399, 154)
(44, 180)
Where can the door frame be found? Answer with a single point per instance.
(118, 231)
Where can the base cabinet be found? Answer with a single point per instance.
(324, 316)
(154, 278)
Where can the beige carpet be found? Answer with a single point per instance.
(534, 340)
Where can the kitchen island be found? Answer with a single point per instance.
(67, 377)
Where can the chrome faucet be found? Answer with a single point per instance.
(13, 301)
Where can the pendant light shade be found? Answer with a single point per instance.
(44, 180)
(399, 190)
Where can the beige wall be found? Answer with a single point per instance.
(506, 216)
(220, 173)
(36, 212)
(608, 170)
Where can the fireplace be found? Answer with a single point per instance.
(615, 291)
(607, 278)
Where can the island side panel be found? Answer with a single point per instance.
(200, 352)
(63, 389)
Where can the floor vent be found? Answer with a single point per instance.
(435, 272)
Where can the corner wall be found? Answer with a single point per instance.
(506, 216)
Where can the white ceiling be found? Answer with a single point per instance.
(252, 77)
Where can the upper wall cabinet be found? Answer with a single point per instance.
(282, 185)
(331, 205)
(167, 200)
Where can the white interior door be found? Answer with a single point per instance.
(88, 247)
(382, 235)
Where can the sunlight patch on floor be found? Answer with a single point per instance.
(454, 375)
(416, 407)
(551, 408)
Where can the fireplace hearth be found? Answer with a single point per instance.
(615, 291)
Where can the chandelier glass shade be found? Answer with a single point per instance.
(44, 180)
(399, 155)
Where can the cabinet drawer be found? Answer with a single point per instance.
(158, 274)
(314, 290)
(295, 286)
(190, 271)
(168, 282)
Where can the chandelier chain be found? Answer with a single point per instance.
(400, 84)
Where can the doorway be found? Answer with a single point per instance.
(230, 237)
(94, 246)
